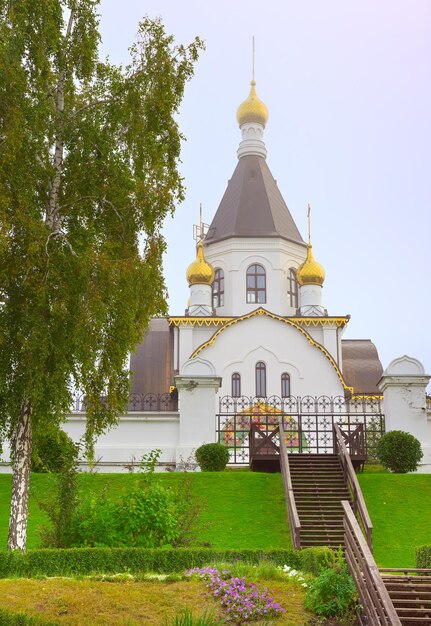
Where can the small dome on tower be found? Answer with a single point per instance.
(310, 272)
(200, 272)
(252, 109)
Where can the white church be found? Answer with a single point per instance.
(256, 342)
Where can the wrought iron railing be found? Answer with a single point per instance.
(148, 402)
(307, 422)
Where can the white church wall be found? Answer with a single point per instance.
(282, 348)
(235, 255)
(404, 384)
(136, 434)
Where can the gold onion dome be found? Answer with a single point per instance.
(310, 272)
(252, 109)
(200, 272)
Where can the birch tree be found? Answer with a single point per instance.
(89, 157)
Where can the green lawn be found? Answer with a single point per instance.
(400, 509)
(247, 510)
(242, 509)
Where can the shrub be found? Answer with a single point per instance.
(332, 593)
(149, 515)
(313, 560)
(212, 457)
(399, 452)
(51, 450)
(423, 556)
(92, 561)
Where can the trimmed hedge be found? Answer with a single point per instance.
(7, 618)
(91, 561)
(423, 556)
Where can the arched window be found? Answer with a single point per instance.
(292, 288)
(236, 385)
(285, 385)
(218, 288)
(261, 379)
(256, 284)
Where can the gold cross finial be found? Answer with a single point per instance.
(252, 62)
(309, 227)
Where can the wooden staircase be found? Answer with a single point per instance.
(410, 593)
(318, 488)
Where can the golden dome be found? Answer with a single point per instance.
(252, 109)
(310, 272)
(200, 272)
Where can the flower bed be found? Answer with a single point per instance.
(244, 602)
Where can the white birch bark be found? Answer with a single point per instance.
(22, 444)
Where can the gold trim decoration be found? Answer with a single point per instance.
(366, 396)
(340, 322)
(198, 321)
(285, 320)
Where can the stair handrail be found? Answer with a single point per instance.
(377, 606)
(359, 506)
(292, 511)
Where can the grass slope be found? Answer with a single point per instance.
(400, 509)
(247, 510)
(242, 509)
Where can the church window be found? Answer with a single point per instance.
(292, 288)
(285, 385)
(218, 288)
(256, 284)
(236, 385)
(261, 379)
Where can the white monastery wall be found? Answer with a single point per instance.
(404, 384)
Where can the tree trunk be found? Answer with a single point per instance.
(22, 443)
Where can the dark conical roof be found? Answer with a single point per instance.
(252, 206)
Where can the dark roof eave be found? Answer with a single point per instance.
(266, 236)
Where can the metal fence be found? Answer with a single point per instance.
(151, 402)
(307, 421)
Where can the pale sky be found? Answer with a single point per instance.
(348, 88)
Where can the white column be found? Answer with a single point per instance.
(403, 385)
(197, 386)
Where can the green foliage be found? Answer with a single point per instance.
(149, 514)
(8, 618)
(212, 457)
(88, 169)
(333, 592)
(188, 618)
(52, 450)
(313, 560)
(92, 561)
(399, 451)
(423, 556)
(62, 504)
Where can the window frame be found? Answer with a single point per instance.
(236, 385)
(260, 379)
(292, 288)
(218, 296)
(253, 292)
(285, 379)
